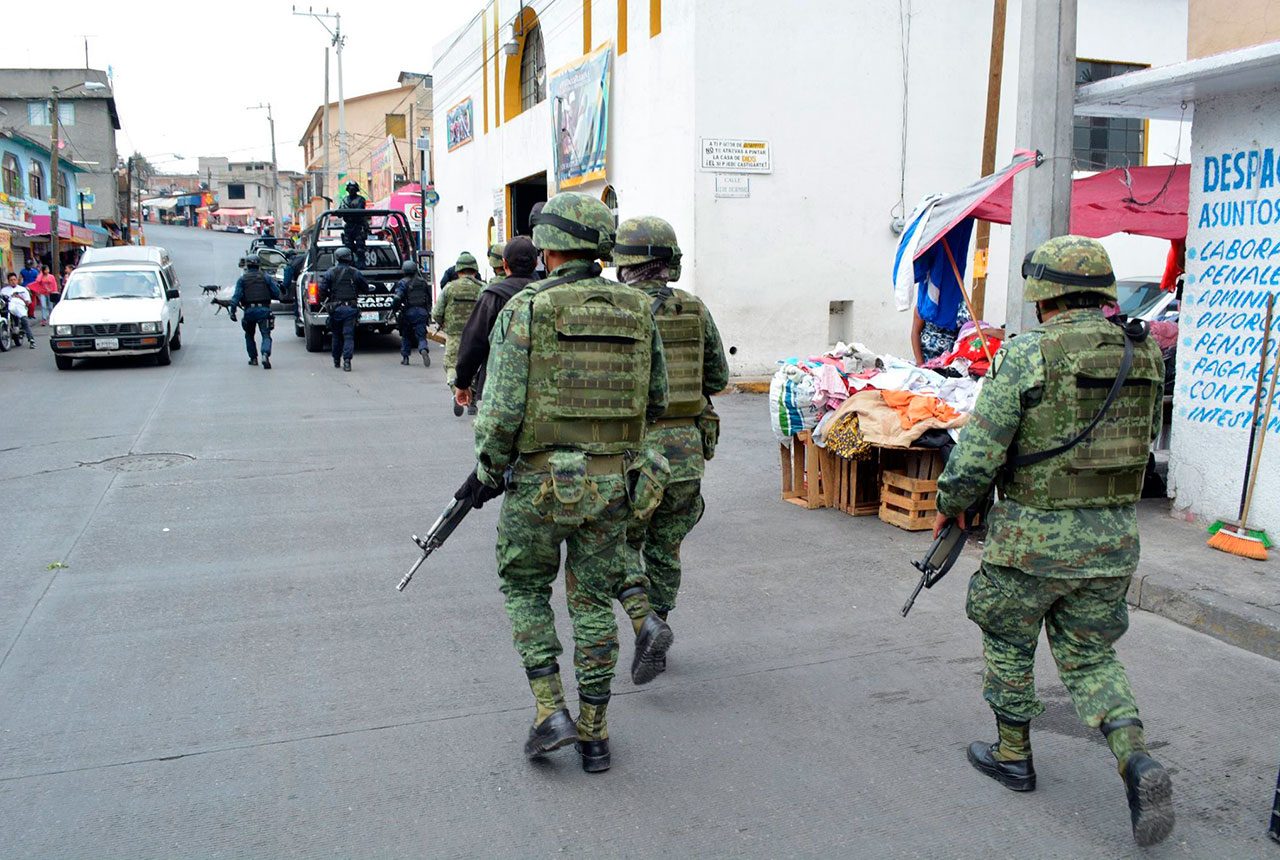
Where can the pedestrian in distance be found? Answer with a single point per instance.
(17, 302)
(452, 312)
(1062, 542)
(519, 259)
(29, 272)
(648, 258)
(412, 303)
(254, 291)
(43, 288)
(341, 285)
(566, 456)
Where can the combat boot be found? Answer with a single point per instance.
(457, 409)
(266, 361)
(404, 359)
(253, 362)
(652, 642)
(1146, 783)
(426, 358)
(346, 365)
(471, 408)
(337, 363)
(1008, 760)
(593, 732)
(552, 727)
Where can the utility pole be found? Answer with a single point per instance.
(1046, 96)
(55, 265)
(328, 177)
(275, 168)
(995, 72)
(337, 40)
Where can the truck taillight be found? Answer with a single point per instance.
(313, 294)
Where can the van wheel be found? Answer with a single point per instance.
(315, 338)
(176, 343)
(63, 362)
(162, 357)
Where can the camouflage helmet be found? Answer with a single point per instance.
(495, 255)
(574, 222)
(1066, 265)
(643, 239)
(466, 261)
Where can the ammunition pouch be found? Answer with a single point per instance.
(708, 424)
(568, 496)
(648, 474)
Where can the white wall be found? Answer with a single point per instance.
(649, 122)
(1222, 319)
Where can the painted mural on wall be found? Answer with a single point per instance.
(579, 96)
(459, 124)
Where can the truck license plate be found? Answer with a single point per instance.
(369, 316)
(106, 343)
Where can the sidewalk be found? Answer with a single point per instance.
(1230, 598)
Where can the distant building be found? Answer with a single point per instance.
(25, 171)
(88, 127)
(381, 129)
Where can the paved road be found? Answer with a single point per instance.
(224, 669)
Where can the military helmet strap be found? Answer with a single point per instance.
(657, 252)
(1042, 272)
(661, 299)
(573, 228)
(1139, 333)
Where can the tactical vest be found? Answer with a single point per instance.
(416, 294)
(342, 284)
(462, 300)
(254, 289)
(679, 320)
(1082, 359)
(590, 343)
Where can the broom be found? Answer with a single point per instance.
(1253, 427)
(1239, 540)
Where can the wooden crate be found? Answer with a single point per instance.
(855, 484)
(803, 481)
(909, 488)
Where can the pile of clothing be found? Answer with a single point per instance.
(852, 398)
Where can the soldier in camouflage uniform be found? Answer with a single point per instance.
(495, 261)
(648, 258)
(1062, 541)
(452, 312)
(575, 371)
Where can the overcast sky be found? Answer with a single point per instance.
(183, 79)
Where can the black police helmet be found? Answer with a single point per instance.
(252, 261)
(409, 267)
(353, 186)
(343, 254)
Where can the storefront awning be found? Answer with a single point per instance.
(67, 231)
(161, 202)
(189, 200)
(233, 213)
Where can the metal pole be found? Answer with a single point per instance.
(1046, 95)
(342, 105)
(54, 264)
(81, 193)
(328, 177)
(275, 173)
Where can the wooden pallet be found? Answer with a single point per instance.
(855, 484)
(802, 473)
(909, 490)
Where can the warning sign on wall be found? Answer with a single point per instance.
(735, 155)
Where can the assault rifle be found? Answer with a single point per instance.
(945, 549)
(449, 518)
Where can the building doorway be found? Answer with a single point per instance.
(523, 194)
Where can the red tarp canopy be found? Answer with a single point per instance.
(1103, 204)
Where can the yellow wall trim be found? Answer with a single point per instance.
(655, 17)
(622, 27)
(497, 63)
(586, 26)
(511, 75)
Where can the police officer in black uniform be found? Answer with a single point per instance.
(341, 285)
(254, 292)
(519, 259)
(413, 303)
(356, 228)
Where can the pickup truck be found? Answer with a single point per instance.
(389, 243)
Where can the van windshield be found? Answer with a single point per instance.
(118, 284)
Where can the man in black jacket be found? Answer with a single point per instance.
(519, 259)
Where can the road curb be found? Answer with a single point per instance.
(747, 385)
(1219, 615)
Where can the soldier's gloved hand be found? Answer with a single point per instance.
(476, 491)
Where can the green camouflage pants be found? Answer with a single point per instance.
(1082, 618)
(653, 547)
(528, 561)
